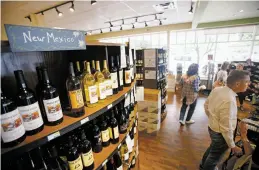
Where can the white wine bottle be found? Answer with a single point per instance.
(108, 81)
(99, 77)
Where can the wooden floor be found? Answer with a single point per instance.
(176, 147)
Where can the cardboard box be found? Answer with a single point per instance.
(151, 128)
(142, 126)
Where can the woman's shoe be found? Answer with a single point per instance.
(190, 122)
(181, 122)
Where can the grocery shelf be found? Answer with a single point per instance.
(69, 123)
(101, 158)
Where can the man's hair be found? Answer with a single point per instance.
(236, 75)
(193, 69)
(225, 66)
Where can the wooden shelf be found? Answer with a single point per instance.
(101, 158)
(69, 123)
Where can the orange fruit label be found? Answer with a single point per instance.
(76, 99)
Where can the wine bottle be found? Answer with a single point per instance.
(29, 163)
(51, 102)
(75, 95)
(55, 162)
(131, 101)
(119, 74)
(116, 113)
(78, 70)
(108, 81)
(126, 110)
(73, 157)
(105, 132)
(113, 128)
(133, 162)
(40, 83)
(114, 76)
(38, 159)
(97, 140)
(122, 120)
(28, 106)
(93, 68)
(132, 64)
(99, 77)
(85, 69)
(12, 129)
(127, 74)
(90, 88)
(110, 164)
(117, 161)
(86, 152)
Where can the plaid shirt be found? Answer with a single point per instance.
(190, 88)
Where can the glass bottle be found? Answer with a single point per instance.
(86, 152)
(104, 132)
(28, 106)
(108, 81)
(93, 68)
(75, 95)
(90, 88)
(114, 76)
(97, 140)
(12, 129)
(122, 120)
(100, 81)
(78, 70)
(127, 74)
(55, 162)
(117, 161)
(73, 157)
(113, 128)
(119, 74)
(51, 101)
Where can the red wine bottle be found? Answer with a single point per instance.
(114, 76)
(114, 130)
(28, 106)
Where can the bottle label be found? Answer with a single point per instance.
(92, 94)
(127, 101)
(116, 132)
(97, 139)
(76, 164)
(53, 109)
(64, 158)
(76, 99)
(11, 126)
(114, 79)
(121, 77)
(127, 77)
(31, 116)
(126, 156)
(120, 168)
(108, 87)
(105, 135)
(102, 90)
(110, 132)
(88, 158)
(131, 73)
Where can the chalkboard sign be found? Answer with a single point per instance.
(23, 38)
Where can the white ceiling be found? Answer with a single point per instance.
(89, 17)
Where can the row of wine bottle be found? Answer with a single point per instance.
(74, 151)
(29, 112)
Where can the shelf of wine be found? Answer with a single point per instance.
(126, 166)
(70, 123)
(101, 158)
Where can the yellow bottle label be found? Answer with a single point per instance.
(76, 164)
(116, 132)
(110, 132)
(76, 99)
(105, 135)
(88, 158)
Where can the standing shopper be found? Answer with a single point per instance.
(190, 88)
(221, 109)
(241, 95)
(221, 76)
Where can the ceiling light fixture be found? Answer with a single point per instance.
(42, 13)
(241, 10)
(72, 8)
(136, 20)
(110, 29)
(122, 21)
(191, 10)
(59, 13)
(146, 24)
(111, 24)
(93, 2)
(90, 33)
(101, 31)
(160, 23)
(29, 18)
(156, 17)
(133, 26)
(121, 28)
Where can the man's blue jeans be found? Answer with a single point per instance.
(215, 151)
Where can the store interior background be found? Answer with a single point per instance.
(225, 30)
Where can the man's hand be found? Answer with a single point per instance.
(202, 87)
(243, 129)
(236, 151)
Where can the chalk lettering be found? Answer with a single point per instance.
(27, 36)
(50, 36)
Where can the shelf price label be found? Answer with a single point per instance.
(83, 121)
(53, 136)
(109, 106)
(104, 162)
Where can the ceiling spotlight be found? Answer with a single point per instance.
(101, 31)
(90, 33)
(121, 28)
(136, 20)
(146, 24)
(191, 10)
(29, 18)
(111, 24)
(133, 26)
(93, 2)
(160, 23)
(241, 10)
(156, 17)
(42, 13)
(59, 13)
(72, 8)
(122, 21)
(110, 29)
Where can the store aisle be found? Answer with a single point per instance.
(175, 147)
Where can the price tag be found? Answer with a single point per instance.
(83, 121)
(104, 162)
(119, 146)
(109, 106)
(53, 136)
